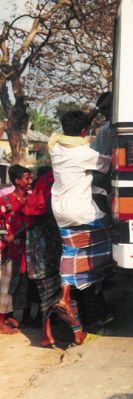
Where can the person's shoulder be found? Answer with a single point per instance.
(7, 190)
(106, 127)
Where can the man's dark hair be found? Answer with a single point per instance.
(104, 103)
(73, 122)
(103, 97)
(16, 172)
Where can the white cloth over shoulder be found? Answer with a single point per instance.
(72, 201)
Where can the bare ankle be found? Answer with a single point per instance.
(79, 337)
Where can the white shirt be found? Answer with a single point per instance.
(72, 201)
(1, 153)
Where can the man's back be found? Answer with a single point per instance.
(71, 192)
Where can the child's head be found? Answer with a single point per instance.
(20, 176)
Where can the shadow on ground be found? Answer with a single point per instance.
(122, 396)
(119, 297)
(61, 332)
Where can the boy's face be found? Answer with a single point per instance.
(25, 181)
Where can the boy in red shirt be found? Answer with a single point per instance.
(13, 242)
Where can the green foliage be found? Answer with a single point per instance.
(63, 107)
(42, 123)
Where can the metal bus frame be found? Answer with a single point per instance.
(122, 131)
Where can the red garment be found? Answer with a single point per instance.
(12, 220)
(37, 202)
(15, 217)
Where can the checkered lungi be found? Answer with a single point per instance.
(86, 254)
(42, 243)
(35, 250)
(6, 305)
(49, 292)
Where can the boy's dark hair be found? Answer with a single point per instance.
(73, 122)
(16, 172)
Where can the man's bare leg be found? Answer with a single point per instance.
(79, 337)
(63, 307)
(47, 338)
(65, 298)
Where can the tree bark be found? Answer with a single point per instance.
(17, 126)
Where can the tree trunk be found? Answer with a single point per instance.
(17, 126)
(18, 147)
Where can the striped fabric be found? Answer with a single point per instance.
(49, 293)
(86, 254)
(43, 251)
(35, 247)
(76, 327)
(45, 274)
(6, 305)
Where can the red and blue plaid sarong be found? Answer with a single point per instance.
(86, 254)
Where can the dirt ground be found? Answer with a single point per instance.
(101, 368)
(22, 360)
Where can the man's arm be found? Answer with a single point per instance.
(93, 160)
(103, 141)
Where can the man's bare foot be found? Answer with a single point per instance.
(11, 322)
(65, 313)
(79, 337)
(47, 343)
(4, 329)
(47, 340)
